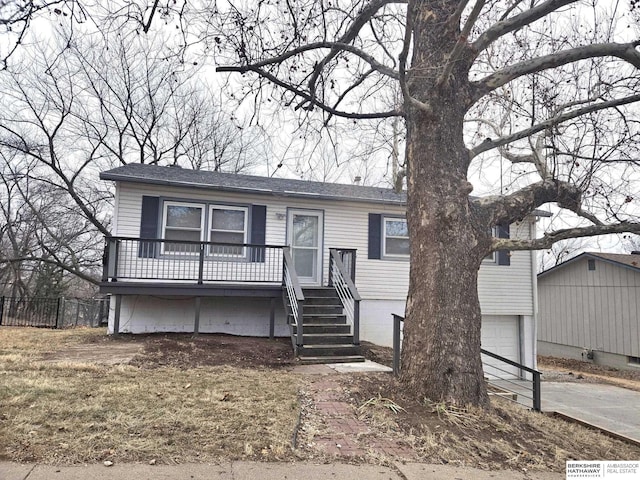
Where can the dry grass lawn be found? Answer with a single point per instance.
(62, 412)
(176, 398)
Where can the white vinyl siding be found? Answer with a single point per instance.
(508, 289)
(503, 290)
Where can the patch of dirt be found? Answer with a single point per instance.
(505, 437)
(378, 354)
(184, 351)
(556, 369)
(178, 350)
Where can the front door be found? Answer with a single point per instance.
(305, 239)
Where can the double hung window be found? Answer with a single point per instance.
(182, 222)
(192, 222)
(227, 225)
(395, 237)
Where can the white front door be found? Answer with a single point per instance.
(305, 239)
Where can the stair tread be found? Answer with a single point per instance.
(331, 359)
(328, 334)
(323, 324)
(331, 345)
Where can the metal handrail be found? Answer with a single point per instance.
(193, 242)
(536, 380)
(348, 258)
(132, 258)
(294, 293)
(347, 291)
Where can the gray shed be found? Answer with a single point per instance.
(589, 309)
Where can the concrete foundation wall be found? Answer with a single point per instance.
(376, 321)
(235, 316)
(606, 359)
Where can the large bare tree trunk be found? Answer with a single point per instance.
(441, 350)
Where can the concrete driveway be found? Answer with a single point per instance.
(612, 408)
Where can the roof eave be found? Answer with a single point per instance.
(174, 183)
(587, 255)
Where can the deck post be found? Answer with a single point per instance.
(356, 322)
(113, 259)
(353, 266)
(272, 318)
(396, 344)
(299, 326)
(537, 398)
(196, 323)
(116, 316)
(201, 264)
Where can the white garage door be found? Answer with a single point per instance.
(500, 335)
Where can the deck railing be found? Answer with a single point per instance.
(348, 258)
(190, 261)
(340, 279)
(518, 388)
(293, 293)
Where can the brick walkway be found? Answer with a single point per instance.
(338, 431)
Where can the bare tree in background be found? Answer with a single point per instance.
(17, 16)
(44, 241)
(71, 110)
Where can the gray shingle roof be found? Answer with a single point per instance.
(231, 182)
(624, 260)
(183, 177)
(630, 260)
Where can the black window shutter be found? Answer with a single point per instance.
(375, 233)
(504, 256)
(258, 232)
(149, 227)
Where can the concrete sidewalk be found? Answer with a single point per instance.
(261, 471)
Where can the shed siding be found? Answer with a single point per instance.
(503, 290)
(593, 309)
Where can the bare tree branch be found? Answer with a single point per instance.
(402, 61)
(147, 25)
(549, 238)
(307, 97)
(352, 32)
(375, 65)
(514, 207)
(78, 273)
(624, 51)
(462, 42)
(490, 144)
(514, 23)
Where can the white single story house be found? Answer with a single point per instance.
(214, 252)
(590, 309)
